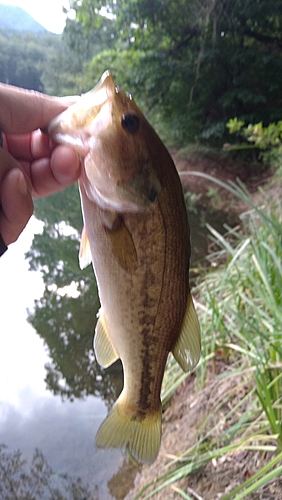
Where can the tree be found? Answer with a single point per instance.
(19, 62)
(67, 58)
(204, 62)
(44, 63)
(88, 43)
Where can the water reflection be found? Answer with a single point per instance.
(200, 240)
(65, 433)
(30, 417)
(66, 325)
(61, 421)
(37, 480)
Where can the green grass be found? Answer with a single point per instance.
(240, 310)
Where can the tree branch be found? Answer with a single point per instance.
(266, 39)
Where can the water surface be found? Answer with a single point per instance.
(30, 416)
(33, 417)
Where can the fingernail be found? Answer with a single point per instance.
(22, 185)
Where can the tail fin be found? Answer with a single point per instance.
(141, 437)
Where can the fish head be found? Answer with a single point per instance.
(109, 131)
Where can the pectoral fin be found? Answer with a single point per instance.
(122, 245)
(187, 349)
(105, 352)
(85, 257)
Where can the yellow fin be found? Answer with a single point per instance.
(85, 257)
(187, 349)
(105, 352)
(122, 245)
(142, 438)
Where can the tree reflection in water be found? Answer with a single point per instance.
(20, 480)
(67, 327)
(66, 323)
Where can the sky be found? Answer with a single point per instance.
(49, 13)
(21, 350)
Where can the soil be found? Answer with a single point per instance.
(222, 169)
(191, 413)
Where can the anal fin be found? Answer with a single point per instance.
(105, 352)
(187, 349)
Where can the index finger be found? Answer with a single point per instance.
(23, 111)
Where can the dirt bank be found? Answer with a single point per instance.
(222, 169)
(191, 415)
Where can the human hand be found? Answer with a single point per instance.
(31, 165)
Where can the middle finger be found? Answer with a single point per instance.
(30, 146)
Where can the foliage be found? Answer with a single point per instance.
(66, 324)
(167, 54)
(50, 63)
(46, 65)
(184, 45)
(246, 327)
(20, 480)
(124, 66)
(62, 74)
(86, 44)
(192, 66)
(20, 61)
(67, 63)
(268, 139)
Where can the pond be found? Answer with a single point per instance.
(31, 416)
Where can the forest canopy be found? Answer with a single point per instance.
(196, 63)
(191, 65)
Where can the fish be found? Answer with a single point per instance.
(136, 233)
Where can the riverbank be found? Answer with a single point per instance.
(217, 406)
(223, 169)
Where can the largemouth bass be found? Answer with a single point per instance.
(137, 236)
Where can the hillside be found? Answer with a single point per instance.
(15, 18)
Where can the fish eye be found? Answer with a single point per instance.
(130, 123)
